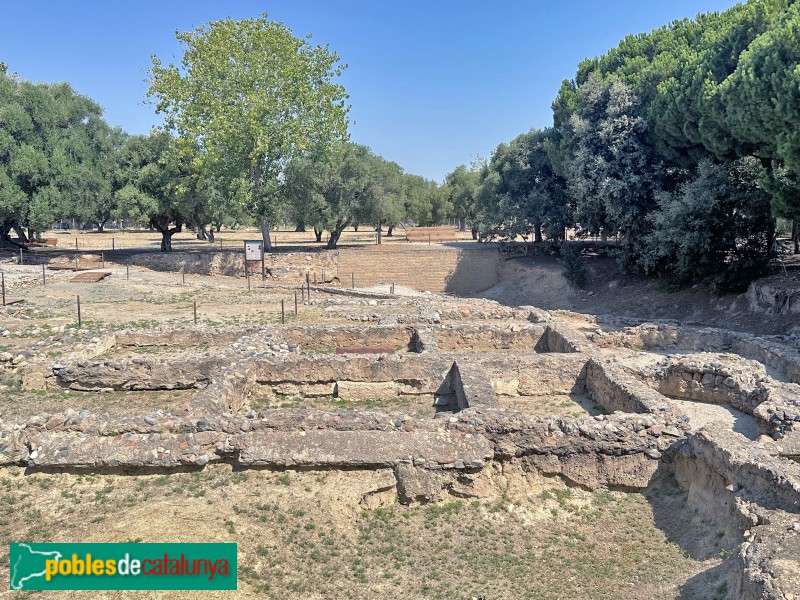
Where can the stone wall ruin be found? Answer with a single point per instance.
(464, 375)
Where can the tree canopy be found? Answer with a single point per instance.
(683, 144)
(53, 147)
(520, 193)
(334, 187)
(251, 95)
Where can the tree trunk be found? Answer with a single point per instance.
(265, 234)
(796, 236)
(336, 232)
(166, 233)
(317, 234)
(355, 227)
(4, 237)
(390, 231)
(166, 240)
(537, 235)
(603, 236)
(20, 234)
(219, 226)
(210, 234)
(300, 228)
(474, 232)
(379, 233)
(101, 226)
(201, 233)
(462, 224)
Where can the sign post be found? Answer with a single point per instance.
(254, 252)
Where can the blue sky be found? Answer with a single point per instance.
(432, 84)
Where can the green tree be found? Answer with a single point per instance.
(721, 88)
(426, 202)
(761, 100)
(103, 177)
(49, 158)
(388, 200)
(611, 173)
(253, 95)
(159, 186)
(521, 194)
(306, 180)
(333, 187)
(715, 228)
(462, 184)
(784, 187)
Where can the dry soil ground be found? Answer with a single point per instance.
(330, 535)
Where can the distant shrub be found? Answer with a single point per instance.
(574, 269)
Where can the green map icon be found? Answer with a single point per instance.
(27, 564)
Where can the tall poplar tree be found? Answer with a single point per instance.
(251, 95)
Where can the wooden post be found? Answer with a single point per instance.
(392, 289)
(429, 239)
(194, 309)
(353, 280)
(113, 245)
(183, 276)
(79, 312)
(103, 259)
(283, 313)
(3, 276)
(295, 303)
(127, 272)
(76, 243)
(76, 263)
(323, 275)
(246, 272)
(20, 256)
(308, 292)
(315, 278)
(263, 266)
(302, 293)
(44, 277)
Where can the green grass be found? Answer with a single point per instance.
(416, 404)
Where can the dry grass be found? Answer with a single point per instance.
(227, 238)
(308, 535)
(421, 405)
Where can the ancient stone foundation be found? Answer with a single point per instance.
(451, 401)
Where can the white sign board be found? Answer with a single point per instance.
(253, 250)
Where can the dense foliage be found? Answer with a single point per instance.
(56, 155)
(332, 188)
(683, 144)
(251, 96)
